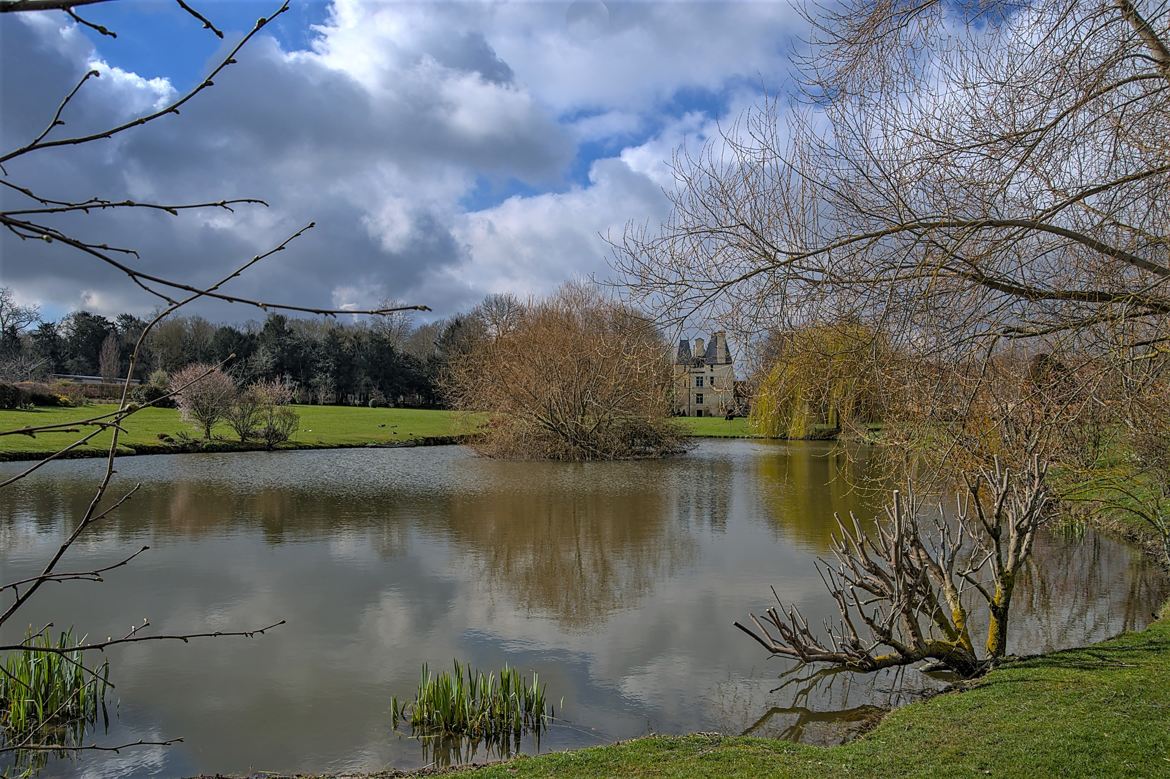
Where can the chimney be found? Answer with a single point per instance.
(699, 350)
(722, 353)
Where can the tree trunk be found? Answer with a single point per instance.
(998, 623)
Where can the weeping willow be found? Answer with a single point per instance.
(824, 381)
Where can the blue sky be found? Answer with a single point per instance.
(445, 150)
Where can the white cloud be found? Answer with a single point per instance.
(531, 244)
(380, 132)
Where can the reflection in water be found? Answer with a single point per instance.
(797, 721)
(448, 751)
(617, 582)
(804, 486)
(573, 555)
(576, 563)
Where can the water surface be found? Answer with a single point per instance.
(618, 582)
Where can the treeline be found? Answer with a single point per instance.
(374, 361)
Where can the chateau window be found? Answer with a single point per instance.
(699, 398)
(698, 381)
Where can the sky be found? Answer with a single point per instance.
(445, 151)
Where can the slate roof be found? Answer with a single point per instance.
(715, 353)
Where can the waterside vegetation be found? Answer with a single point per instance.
(467, 702)
(1112, 700)
(48, 691)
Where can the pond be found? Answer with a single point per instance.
(618, 582)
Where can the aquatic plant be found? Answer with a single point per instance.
(49, 686)
(47, 695)
(466, 702)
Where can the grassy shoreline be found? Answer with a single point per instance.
(322, 427)
(161, 431)
(1096, 711)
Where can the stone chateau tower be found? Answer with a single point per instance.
(704, 379)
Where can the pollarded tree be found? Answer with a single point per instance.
(902, 587)
(577, 377)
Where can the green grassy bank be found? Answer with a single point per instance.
(1100, 711)
(321, 426)
(715, 427)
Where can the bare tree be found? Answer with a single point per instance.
(204, 394)
(396, 326)
(244, 413)
(15, 318)
(957, 171)
(109, 357)
(902, 589)
(272, 421)
(579, 377)
(500, 313)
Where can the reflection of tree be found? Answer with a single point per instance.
(1077, 591)
(193, 508)
(576, 554)
(831, 726)
(803, 485)
(825, 705)
(573, 542)
(703, 495)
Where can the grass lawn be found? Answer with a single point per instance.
(320, 426)
(715, 427)
(1101, 711)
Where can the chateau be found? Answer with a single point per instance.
(704, 380)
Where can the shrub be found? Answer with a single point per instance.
(40, 394)
(152, 394)
(12, 396)
(261, 411)
(205, 395)
(159, 378)
(578, 377)
(246, 413)
(71, 391)
(280, 422)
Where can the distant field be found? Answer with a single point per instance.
(320, 426)
(715, 427)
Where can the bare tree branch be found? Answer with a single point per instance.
(172, 108)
